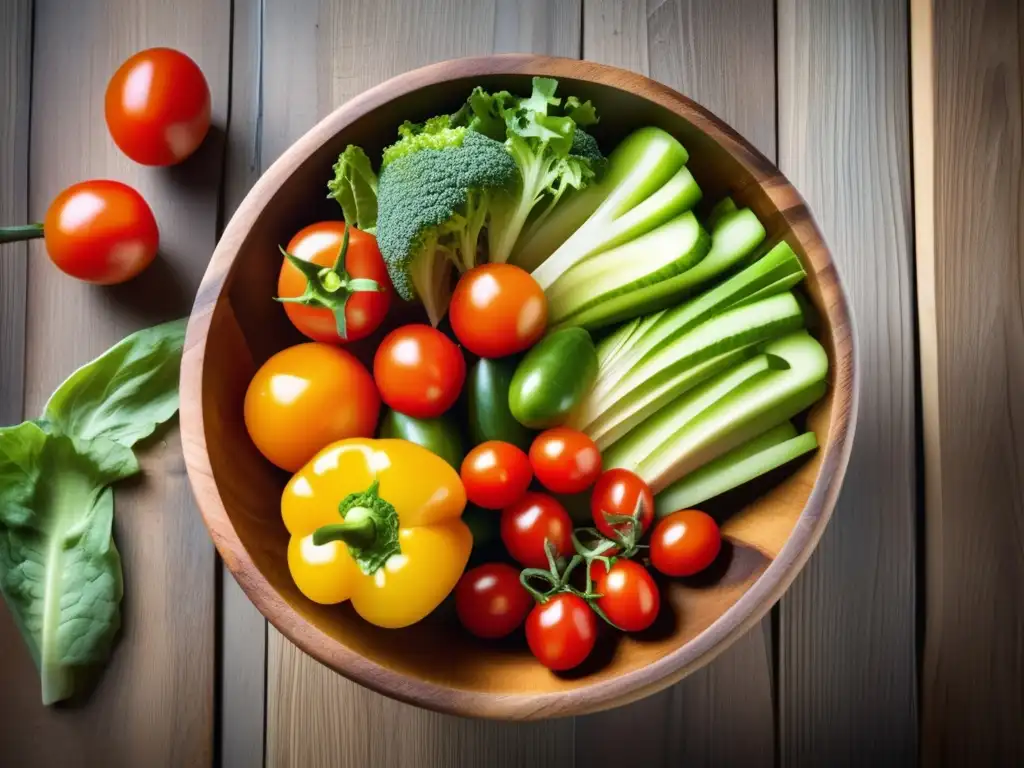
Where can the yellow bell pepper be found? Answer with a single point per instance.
(377, 522)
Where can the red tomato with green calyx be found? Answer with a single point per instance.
(629, 596)
(621, 493)
(101, 232)
(334, 290)
(565, 460)
(158, 107)
(561, 631)
(529, 522)
(419, 371)
(490, 601)
(498, 310)
(685, 543)
(496, 474)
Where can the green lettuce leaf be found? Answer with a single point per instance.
(125, 393)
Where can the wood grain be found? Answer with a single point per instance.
(314, 717)
(15, 87)
(969, 130)
(242, 660)
(153, 704)
(722, 54)
(847, 680)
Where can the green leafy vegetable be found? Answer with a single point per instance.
(354, 186)
(60, 571)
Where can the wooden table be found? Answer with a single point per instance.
(903, 639)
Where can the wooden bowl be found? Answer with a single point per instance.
(235, 327)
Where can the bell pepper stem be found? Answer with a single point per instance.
(19, 233)
(357, 531)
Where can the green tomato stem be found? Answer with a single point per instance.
(20, 233)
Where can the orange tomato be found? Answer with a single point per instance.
(362, 308)
(158, 107)
(306, 397)
(100, 231)
(498, 310)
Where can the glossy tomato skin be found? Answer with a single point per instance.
(617, 492)
(561, 632)
(685, 543)
(498, 310)
(526, 524)
(496, 474)
(158, 107)
(565, 460)
(629, 596)
(101, 232)
(490, 601)
(364, 311)
(419, 371)
(307, 397)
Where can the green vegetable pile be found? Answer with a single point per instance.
(60, 571)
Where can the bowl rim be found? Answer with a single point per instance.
(700, 650)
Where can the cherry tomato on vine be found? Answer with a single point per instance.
(561, 632)
(629, 596)
(498, 310)
(565, 460)
(331, 291)
(307, 397)
(419, 371)
(621, 492)
(496, 474)
(490, 601)
(100, 231)
(685, 542)
(526, 524)
(158, 107)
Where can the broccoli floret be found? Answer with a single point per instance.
(437, 187)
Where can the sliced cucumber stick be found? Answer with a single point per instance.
(766, 452)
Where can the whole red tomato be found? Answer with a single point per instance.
(623, 493)
(496, 474)
(334, 292)
(629, 596)
(490, 601)
(498, 310)
(528, 523)
(100, 231)
(565, 460)
(562, 631)
(685, 542)
(158, 107)
(419, 371)
(305, 398)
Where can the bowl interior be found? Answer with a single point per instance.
(246, 327)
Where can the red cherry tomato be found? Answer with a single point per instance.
(619, 492)
(496, 474)
(490, 601)
(684, 543)
(158, 107)
(562, 631)
(525, 526)
(419, 371)
(100, 231)
(498, 310)
(565, 460)
(629, 596)
(363, 308)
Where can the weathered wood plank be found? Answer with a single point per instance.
(969, 202)
(847, 665)
(15, 87)
(242, 661)
(153, 704)
(722, 54)
(315, 57)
